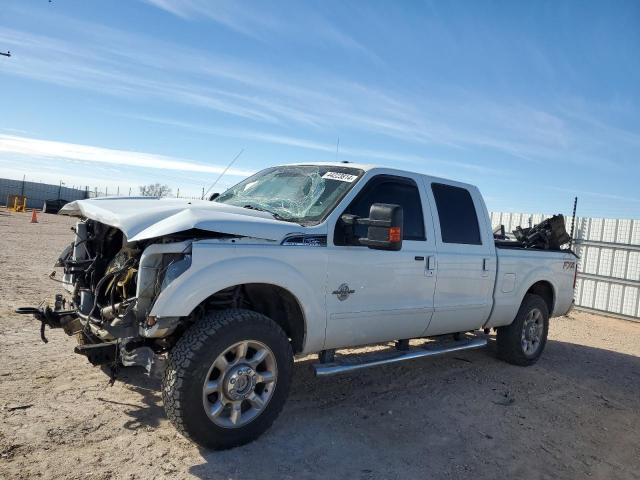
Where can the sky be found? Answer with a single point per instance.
(534, 102)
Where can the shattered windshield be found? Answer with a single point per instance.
(303, 194)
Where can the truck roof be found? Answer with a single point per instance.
(368, 166)
(361, 166)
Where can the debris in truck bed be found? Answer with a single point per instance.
(549, 234)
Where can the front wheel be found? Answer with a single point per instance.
(522, 342)
(227, 378)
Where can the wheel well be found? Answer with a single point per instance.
(275, 302)
(545, 290)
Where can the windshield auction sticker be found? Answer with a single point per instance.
(343, 177)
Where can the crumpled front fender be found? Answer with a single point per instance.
(205, 278)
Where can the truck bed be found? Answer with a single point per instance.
(519, 268)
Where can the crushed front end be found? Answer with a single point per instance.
(111, 286)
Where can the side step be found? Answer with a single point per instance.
(385, 358)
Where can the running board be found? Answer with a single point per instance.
(358, 363)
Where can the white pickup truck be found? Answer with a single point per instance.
(294, 260)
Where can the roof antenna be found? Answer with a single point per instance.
(338, 151)
(223, 172)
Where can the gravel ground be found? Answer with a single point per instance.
(575, 414)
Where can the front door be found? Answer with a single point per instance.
(377, 295)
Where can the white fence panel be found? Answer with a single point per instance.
(609, 266)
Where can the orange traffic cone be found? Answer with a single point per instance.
(34, 216)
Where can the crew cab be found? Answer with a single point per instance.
(294, 260)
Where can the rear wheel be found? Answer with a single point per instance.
(522, 342)
(227, 378)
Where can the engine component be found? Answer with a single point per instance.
(110, 312)
(126, 283)
(99, 353)
(86, 301)
(48, 317)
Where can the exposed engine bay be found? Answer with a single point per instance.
(112, 287)
(100, 272)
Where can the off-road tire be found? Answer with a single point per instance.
(509, 338)
(188, 365)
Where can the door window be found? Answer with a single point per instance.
(387, 189)
(457, 214)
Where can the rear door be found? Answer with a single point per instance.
(466, 263)
(378, 295)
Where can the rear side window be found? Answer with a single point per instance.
(458, 218)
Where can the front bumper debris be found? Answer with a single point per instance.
(124, 351)
(66, 319)
(99, 353)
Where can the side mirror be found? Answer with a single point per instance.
(213, 196)
(385, 226)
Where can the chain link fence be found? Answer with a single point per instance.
(37, 193)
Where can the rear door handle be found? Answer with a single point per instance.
(486, 265)
(430, 267)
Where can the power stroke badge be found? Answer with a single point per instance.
(343, 292)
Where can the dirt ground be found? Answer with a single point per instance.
(575, 414)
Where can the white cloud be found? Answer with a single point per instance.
(365, 155)
(238, 16)
(128, 65)
(179, 9)
(256, 21)
(32, 147)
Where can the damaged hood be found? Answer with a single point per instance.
(144, 218)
